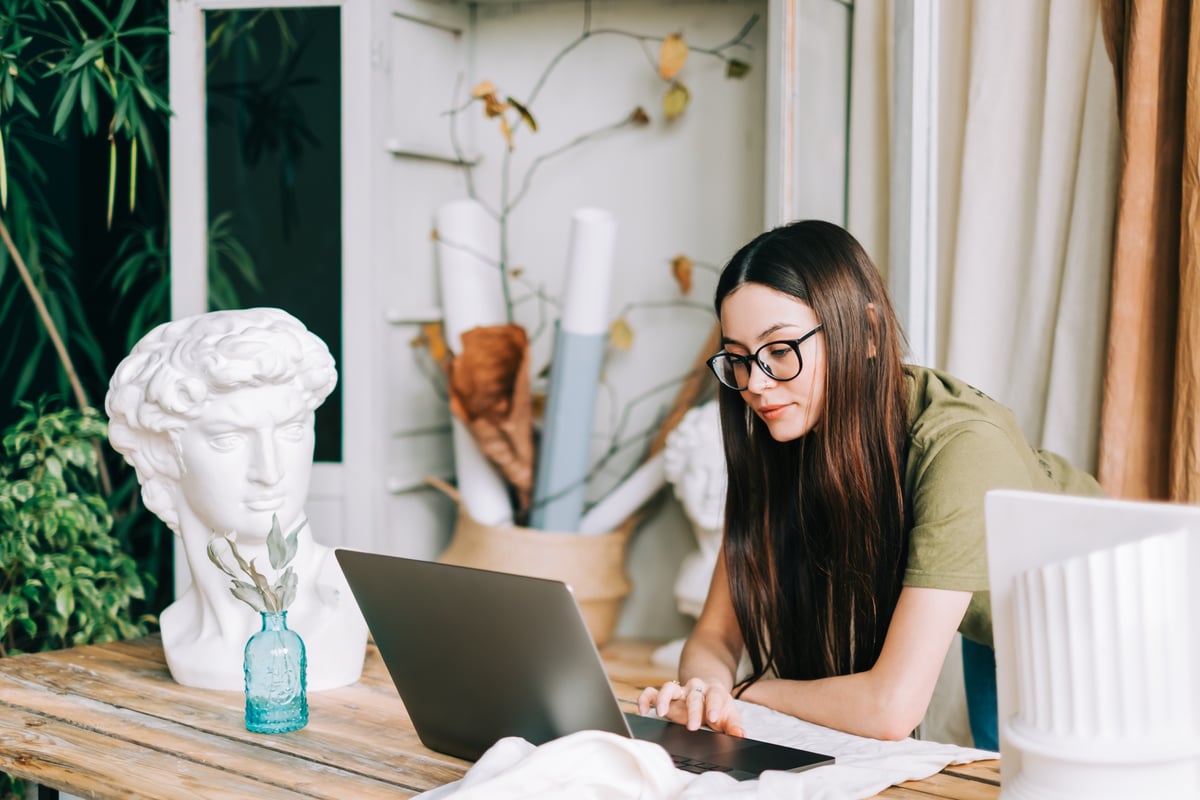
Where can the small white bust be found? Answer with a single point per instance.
(694, 464)
(215, 413)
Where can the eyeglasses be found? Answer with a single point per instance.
(779, 361)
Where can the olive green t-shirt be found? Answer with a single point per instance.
(961, 444)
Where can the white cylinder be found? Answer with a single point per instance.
(589, 272)
(468, 247)
(472, 295)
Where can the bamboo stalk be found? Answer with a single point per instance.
(59, 346)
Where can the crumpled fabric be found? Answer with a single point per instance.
(596, 765)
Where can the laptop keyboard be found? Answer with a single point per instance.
(696, 765)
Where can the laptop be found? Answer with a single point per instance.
(478, 655)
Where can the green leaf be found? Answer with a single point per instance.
(27, 102)
(66, 102)
(87, 102)
(54, 467)
(25, 378)
(64, 601)
(97, 13)
(123, 14)
(88, 54)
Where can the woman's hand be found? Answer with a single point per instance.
(694, 703)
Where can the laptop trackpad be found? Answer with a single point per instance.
(748, 755)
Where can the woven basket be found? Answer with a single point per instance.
(593, 564)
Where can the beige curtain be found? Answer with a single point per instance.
(1150, 435)
(1029, 169)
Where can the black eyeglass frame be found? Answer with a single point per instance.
(754, 357)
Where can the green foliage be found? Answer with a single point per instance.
(64, 579)
(89, 69)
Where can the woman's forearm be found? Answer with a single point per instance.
(710, 659)
(860, 704)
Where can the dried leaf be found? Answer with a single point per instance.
(620, 335)
(489, 391)
(492, 107)
(681, 268)
(434, 235)
(483, 89)
(433, 335)
(736, 69)
(264, 588)
(639, 117)
(671, 56)
(484, 374)
(524, 112)
(276, 547)
(216, 559)
(248, 594)
(285, 587)
(506, 129)
(516, 272)
(676, 100)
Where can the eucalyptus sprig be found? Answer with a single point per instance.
(259, 593)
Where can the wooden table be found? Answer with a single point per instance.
(107, 721)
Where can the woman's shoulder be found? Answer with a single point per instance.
(941, 406)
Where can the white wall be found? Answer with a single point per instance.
(693, 186)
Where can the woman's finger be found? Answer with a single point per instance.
(723, 714)
(646, 699)
(694, 699)
(671, 690)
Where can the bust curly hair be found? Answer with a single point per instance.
(174, 370)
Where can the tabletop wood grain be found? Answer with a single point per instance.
(107, 721)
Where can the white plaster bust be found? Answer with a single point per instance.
(215, 413)
(694, 464)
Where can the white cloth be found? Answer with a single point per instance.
(595, 764)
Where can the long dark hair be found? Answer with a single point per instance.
(815, 529)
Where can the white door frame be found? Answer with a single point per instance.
(913, 253)
(806, 162)
(352, 483)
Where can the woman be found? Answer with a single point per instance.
(854, 531)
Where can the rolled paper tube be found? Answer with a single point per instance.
(626, 498)
(565, 452)
(564, 456)
(472, 295)
(589, 272)
(468, 269)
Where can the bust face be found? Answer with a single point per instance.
(246, 457)
(701, 489)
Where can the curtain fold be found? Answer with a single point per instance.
(1148, 435)
(1185, 455)
(1027, 295)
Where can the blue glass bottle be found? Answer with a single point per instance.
(275, 663)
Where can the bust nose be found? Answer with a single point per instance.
(265, 467)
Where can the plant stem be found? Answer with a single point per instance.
(59, 347)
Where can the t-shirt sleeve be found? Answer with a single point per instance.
(948, 549)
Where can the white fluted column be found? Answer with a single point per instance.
(1105, 660)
